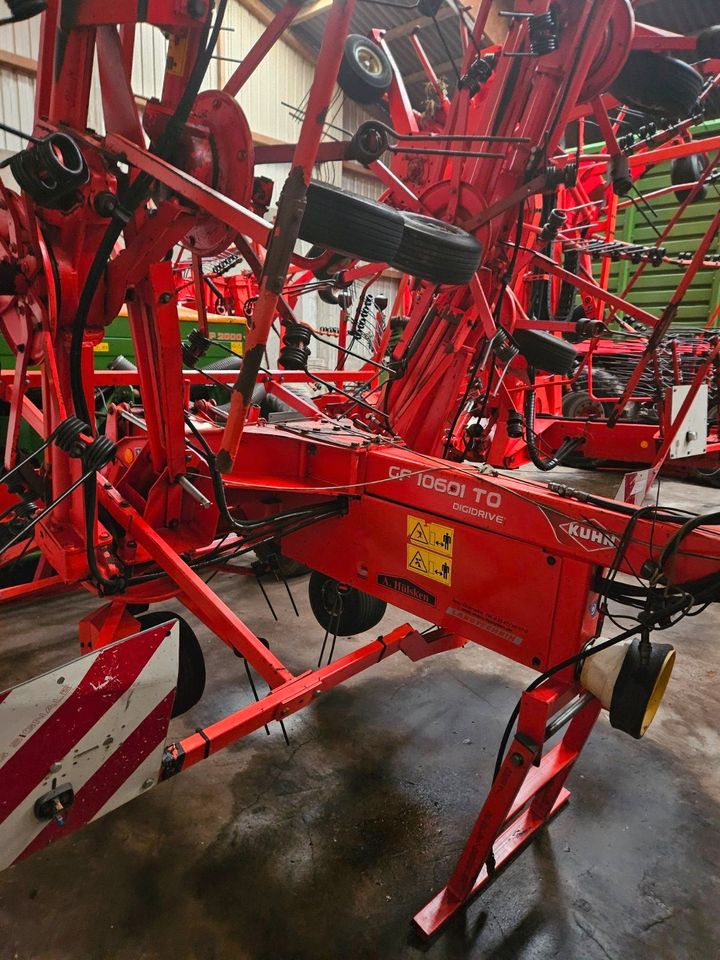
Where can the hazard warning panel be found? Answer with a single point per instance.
(432, 536)
(81, 740)
(430, 549)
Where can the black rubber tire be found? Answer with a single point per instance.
(686, 170)
(546, 352)
(13, 574)
(359, 611)
(711, 104)
(365, 73)
(659, 85)
(286, 566)
(710, 477)
(435, 250)
(605, 384)
(708, 43)
(356, 226)
(578, 405)
(191, 662)
(228, 362)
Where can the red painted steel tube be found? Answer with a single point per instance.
(287, 225)
(208, 200)
(257, 53)
(286, 699)
(204, 603)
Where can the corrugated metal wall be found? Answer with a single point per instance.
(17, 89)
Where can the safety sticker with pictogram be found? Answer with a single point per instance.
(431, 536)
(429, 549)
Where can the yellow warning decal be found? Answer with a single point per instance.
(177, 52)
(429, 564)
(430, 549)
(433, 536)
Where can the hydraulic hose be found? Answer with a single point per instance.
(542, 463)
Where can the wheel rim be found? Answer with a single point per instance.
(585, 409)
(332, 597)
(369, 60)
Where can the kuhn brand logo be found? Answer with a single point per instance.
(591, 538)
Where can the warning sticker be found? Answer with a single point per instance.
(429, 564)
(433, 536)
(177, 52)
(430, 549)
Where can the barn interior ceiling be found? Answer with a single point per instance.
(441, 37)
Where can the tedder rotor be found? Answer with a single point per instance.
(357, 485)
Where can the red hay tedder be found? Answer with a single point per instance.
(365, 484)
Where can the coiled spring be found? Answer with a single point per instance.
(543, 31)
(67, 436)
(51, 170)
(98, 454)
(94, 455)
(565, 176)
(295, 350)
(362, 317)
(195, 347)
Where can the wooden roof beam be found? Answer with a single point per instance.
(420, 23)
(264, 14)
(312, 10)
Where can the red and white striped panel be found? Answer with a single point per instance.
(635, 486)
(98, 723)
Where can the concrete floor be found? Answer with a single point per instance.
(324, 849)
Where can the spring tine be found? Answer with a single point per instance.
(289, 593)
(337, 627)
(267, 598)
(322, 649)
(284, 733)
(254, 689)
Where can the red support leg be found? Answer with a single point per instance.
(527, 792)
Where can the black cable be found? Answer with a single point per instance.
(219, 490)
(446, 47)
(496, 316)
(134, 196)
(671, 547)
(235, 550)
(546, 464)
(468, 23)
(334, 388)
(564, 665)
